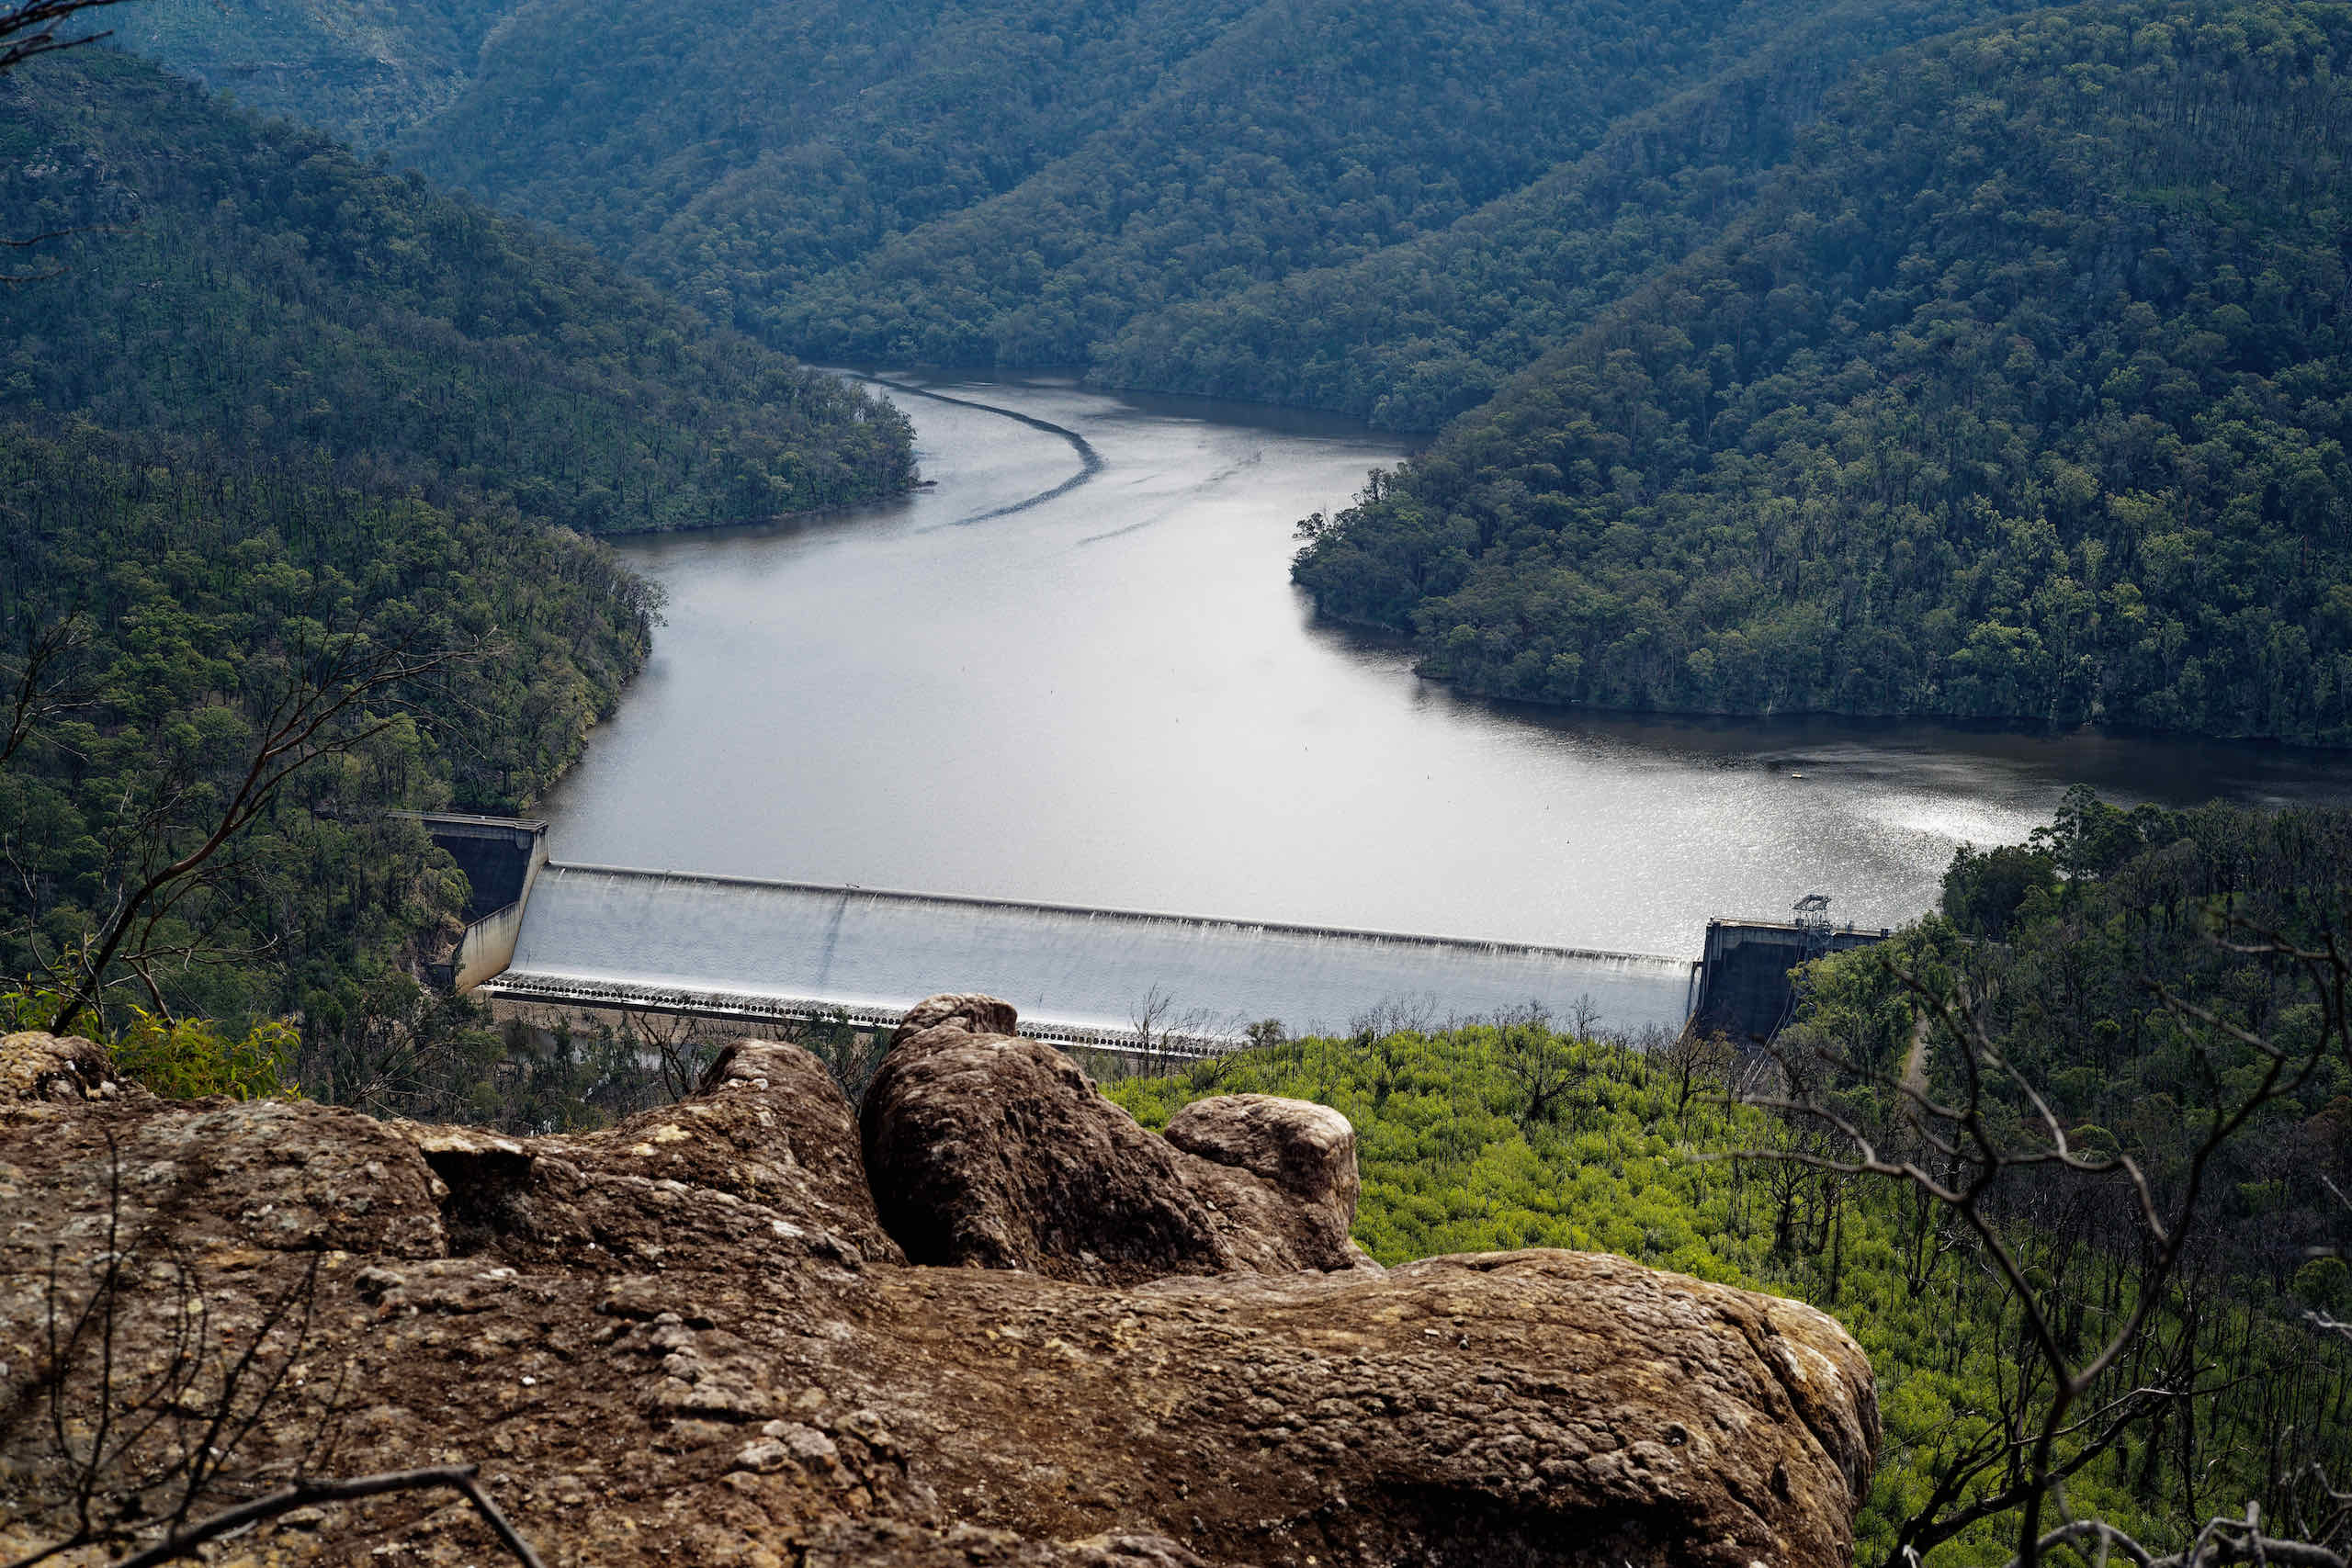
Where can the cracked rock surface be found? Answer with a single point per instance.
(695, 1338)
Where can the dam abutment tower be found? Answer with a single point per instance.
(1746, 988)
(501, 857)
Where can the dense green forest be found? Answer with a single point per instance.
(297, 459)
(785, 141)
(365, 69)
(2019, 394)
(1513, 1133)
(1009, 182)
(1307, 136)
(1384, 208)
(1414, 333)
(193, 596)
(257, 287)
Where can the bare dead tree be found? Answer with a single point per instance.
(42, 676)
(1166, 1037)
(1584, 1016)
(1966, 1138)
(459, 1478)
(148, 1431)
(1411, 1013)
(2220, 1540)
(1149, 1019)
(1545, 1066)
(1697, 1062)
(33, 28)
(676, 1045)
(318, 707)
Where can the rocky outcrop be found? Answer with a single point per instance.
(1304, 1149)
(988, 1151)
(692, 1339)
(56, 1066)
(766, 1132)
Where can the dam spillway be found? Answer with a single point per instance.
(735, 947)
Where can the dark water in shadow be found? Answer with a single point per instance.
(1106, 692)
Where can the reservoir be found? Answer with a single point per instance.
(1072, 670)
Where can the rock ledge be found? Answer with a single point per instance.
(697, 1336)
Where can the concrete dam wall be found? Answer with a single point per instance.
(734, 947)
(1744, 986)
(501, 857)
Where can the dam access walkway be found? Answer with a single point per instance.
(724, 947)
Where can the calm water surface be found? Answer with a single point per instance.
(1075, 670)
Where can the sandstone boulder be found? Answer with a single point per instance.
(969, 1010)
(1294, 1145)
(985, 1150)
(52, 1066)
(767, 1129)
(688, 1340)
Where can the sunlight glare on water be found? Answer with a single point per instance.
(1114, 697)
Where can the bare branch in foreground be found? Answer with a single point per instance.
(30, 28)
(303, 1494)
(2222, 1540)
(1978, 1140)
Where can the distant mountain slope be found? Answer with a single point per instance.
(745, 145)
(2023, 394)
(1011, 180)
(1412, 335)
(257, 286)
(1308, 134)
(364, 69)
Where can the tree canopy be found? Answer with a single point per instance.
(2019, 393)
(1012, 181)
(259, 288)
(191, 584)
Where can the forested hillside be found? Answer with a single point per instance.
(1413, 335)
(163, 609)
(1307, 136)
(1516, 1133)
(257, 287)
(746, 145)
(364, 69)
(1012, 181)
(2020, 394)
(296, 457)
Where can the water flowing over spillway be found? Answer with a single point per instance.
(659, 934)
